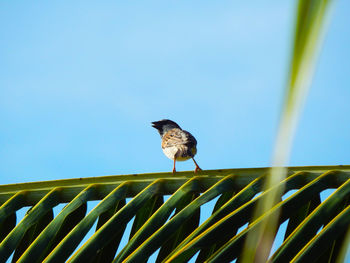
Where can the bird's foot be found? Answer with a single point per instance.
(197, 169)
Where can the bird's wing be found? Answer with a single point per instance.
(191, 141)
(178, 137)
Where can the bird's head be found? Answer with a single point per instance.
(164, 125)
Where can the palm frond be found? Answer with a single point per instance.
(165, 212)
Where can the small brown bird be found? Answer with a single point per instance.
(177, 144)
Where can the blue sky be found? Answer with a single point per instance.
(81, 81)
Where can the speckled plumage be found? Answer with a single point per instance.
(177, 144)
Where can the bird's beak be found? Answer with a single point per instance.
(155, 125)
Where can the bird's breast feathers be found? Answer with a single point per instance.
(180, 152)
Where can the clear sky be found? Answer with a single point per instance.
(81, 81)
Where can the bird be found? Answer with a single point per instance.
(177, 144)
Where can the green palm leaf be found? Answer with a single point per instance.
(39, 237)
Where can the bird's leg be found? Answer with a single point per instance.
(197, 167)
(174, 170)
